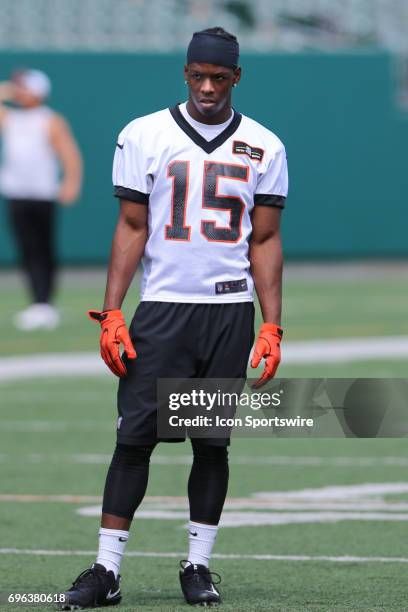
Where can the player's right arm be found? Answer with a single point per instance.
(130, 180)
(127, 249)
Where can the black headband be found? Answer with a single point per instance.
(207, 48)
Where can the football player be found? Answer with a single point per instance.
(201, 189)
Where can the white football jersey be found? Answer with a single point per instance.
(200, 195)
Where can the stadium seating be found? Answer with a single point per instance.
(158, 25)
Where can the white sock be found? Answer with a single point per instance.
(112, 544)
(201, 539)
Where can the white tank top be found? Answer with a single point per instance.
(29, 168)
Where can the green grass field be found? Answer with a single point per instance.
(286, 552)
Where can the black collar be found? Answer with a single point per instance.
(207, 145)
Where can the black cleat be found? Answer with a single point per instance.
(94, 588)
(198, 586)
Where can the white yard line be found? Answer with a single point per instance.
(152, 505)
(345, 349)
(176, 555)
(327, 504)
(332, 350)
(175, 460)
(257, 519)
(364, 496)
(51, 364)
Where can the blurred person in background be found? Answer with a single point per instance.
(40, 165)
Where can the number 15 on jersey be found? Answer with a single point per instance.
(179, 172)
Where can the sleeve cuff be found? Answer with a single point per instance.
(266, 199)
(124, 193)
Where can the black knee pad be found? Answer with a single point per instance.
(209, 453)
(129, 458)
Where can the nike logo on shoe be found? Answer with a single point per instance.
(111, 595)
(123, 539)
(193, 534)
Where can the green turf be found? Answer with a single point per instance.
(312, 309)
(56, 437)
(152, 586)
(46, 423)
(328, 309)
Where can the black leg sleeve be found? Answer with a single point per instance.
(208, 482)
(127, 479)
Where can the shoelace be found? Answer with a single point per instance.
(207, 576)
(90, 575)
(85, 576)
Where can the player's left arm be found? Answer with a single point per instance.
(7, 89)
(266, 259)
(265, 255)
(67, 151)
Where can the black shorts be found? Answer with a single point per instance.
(178, 340)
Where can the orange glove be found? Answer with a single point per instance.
(114, 333)
(268, 346)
